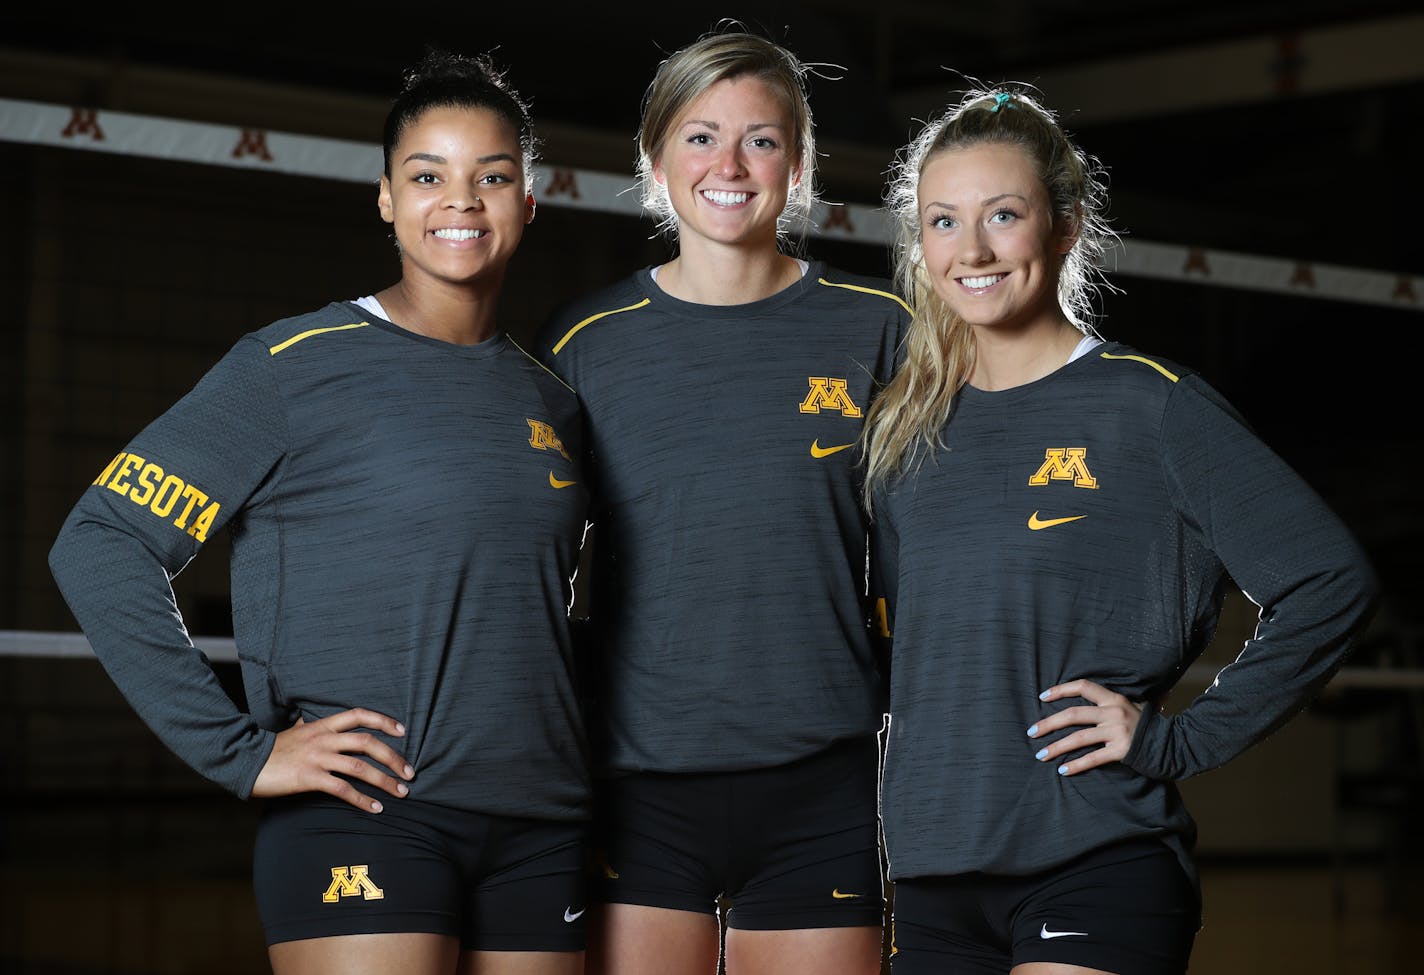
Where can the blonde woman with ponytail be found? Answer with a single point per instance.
(940, 345)
(737, 691)
(1058, 517)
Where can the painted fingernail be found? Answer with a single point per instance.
(1062, 770)
(1032, 731)
(408, 772)
(375, 807)
(1043, 696)
(402, 788)
(400, 728)
(1042, 754)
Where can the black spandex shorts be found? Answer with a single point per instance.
(793, 846)
(325, 868)
(1127, 908)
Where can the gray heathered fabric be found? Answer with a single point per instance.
(397, 545)
(987, 613)
(729, 608)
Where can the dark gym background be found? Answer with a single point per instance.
(1284, 130)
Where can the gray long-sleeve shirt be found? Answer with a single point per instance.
(405, 517)
(729, 602)
(1086, 526)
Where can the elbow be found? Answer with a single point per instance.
(62, 557)
(1366, 590)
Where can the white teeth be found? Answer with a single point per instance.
(984, 282)
(452, 234)
(725, 198)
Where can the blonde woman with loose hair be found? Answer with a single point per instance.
(737, 691)
(1057, 518)
(904, 421)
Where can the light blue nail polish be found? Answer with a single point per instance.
(1062, 770)
(1032, 731)
(1043, 696)
(1042, 754)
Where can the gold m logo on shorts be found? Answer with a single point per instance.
(350, 882)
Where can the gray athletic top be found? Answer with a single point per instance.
(729, 602)
(1084, 525)
(405, 519)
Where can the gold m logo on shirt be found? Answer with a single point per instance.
(828, 394)
(351, 882)
(543, 437)
(1065, 464)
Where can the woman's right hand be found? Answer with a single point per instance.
(307, 758)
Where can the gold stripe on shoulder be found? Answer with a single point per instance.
(310, 332)
(540, 364)
(1137, 358)
(869, 291)
(593, 318)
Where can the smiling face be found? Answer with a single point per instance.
(729, 163)
(991, 242)
(456, 196)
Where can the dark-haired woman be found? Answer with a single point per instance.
(405, 517)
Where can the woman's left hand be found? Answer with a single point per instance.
(1112, 721)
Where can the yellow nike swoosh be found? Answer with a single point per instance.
(1034, 524)
(841, 897)
(818, 451)
(554, 482)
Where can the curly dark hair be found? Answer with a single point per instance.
(446, 80)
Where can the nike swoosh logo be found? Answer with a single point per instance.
(818, 451)
(554, 482)
(1035, 524)
(1047, 935)
(571, 918)
(842, 897)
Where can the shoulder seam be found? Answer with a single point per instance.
(593, 318)
(1145, 361)
(870, 291)
(540, 364)
(302, 336)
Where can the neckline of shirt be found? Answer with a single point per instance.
(648, 281)
(1076, 362)
(378, 319)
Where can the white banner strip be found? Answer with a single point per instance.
(73, 646)
(1228, 269)
(72, 127)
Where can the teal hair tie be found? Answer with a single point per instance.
(1000, 100)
